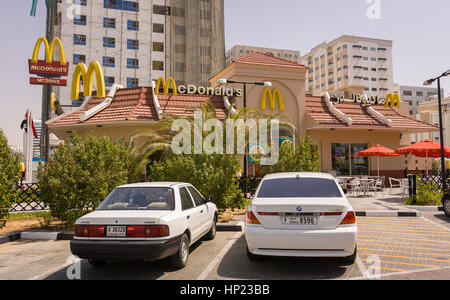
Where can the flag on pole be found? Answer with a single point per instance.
(33, 8)
(24, 125)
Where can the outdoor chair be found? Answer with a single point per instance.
(394, 183)
(357, 187)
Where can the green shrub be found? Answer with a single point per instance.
(305, 158)
(212, 175)
(9, 178)
(427, 195)
(82, 172)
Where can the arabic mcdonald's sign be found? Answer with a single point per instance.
(81, 71)
(272, 96)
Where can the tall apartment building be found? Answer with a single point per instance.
(428, 112)
(351, 64)
(239, 51)
(139, 41)
(415, 95)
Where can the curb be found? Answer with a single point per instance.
(389, 214)
(229, 227)
(11, 237)
(426, 208)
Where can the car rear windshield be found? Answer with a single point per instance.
(299, 188)
(148, 198)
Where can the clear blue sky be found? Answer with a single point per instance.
(418, 28)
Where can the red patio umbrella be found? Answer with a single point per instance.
(378, 151)
(424, 149)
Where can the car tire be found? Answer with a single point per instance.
(252, 256)
(180, 259)
(350, 260)
(97, 263)
(446, 203)
(211, 235)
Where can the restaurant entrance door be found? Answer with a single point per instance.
(347, 162)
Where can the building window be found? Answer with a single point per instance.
(80, 20)
(79, 58)
(79, 39)
(132, 63)
(109, 23)
(132, 82)
(419, 94)
(109, 81)
(132, 44)
(158, 28)
(109, 42)
(159, 47)
(346, 160)
(109, 62)
(159, 10)
(407, 93)
(80, 2)
(158, 65)
(133, 25)
(121, 5)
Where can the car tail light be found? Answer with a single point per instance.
(136, 231)
(157, 231)
(329, 214)
(96, 231)
(268, 214)
(252, 219)
(350, 218)
(81, 231)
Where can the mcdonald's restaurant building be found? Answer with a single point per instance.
(341, 127)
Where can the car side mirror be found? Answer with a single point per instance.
(253, 192)
(345, 191)
(209, 199)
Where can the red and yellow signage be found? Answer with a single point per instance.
(47, 68)
(272, 96)
(88, 80)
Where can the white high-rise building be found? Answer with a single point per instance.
(138, 41)
(349, 64)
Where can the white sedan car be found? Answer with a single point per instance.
(150, 221)
(301, 215)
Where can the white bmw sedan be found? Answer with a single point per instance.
(301, 215)
(149, 221)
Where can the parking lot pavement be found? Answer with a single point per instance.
(23, 260)
(438, 218)
(403, 244)
(404, 247)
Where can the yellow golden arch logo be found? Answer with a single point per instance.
(88, 80)
(48, 50)
(166, 86)
(392, 100)
(272, 96)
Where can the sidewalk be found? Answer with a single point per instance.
(382, 202)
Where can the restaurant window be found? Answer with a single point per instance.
(346, 160)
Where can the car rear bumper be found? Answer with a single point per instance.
(125, 250)
(340, 242)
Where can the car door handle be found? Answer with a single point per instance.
(188, 217)
(201, 211)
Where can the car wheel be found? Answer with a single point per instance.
(447, 207)
(252, 256)
(97, 263)
(350, 260)
(211, 235)
(180, 259)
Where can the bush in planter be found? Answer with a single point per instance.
(427, 195)
(212, 175)
(81, 173)
(9, 177)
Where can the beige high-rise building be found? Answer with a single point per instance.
(428, 112)
(350, 64)
(239, 51)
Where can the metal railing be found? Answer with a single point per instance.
(28, 198)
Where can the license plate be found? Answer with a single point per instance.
(116, 231)
(299, 220)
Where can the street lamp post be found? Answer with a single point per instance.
(266, 84)
(441, 126)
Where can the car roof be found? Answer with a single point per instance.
(154, 184)
(300, 175)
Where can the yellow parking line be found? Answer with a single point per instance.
(399, 224)
(390, 228)
(419, 240)
(386, 269)
(398, 232)
(407, 257)
(404, 247)
(406, 264)
(396, 251)
(421, 244)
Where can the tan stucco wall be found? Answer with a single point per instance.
(290, 81)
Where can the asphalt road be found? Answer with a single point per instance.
(400, 246)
